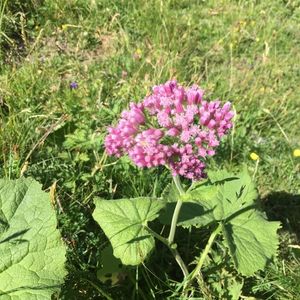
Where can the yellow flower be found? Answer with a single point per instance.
(138, 51)
(137, 54)
(254, 156)
(296, 153)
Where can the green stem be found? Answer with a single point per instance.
(174, 221)
(104, 294)
(176, 211)
(204, 254)
(156, 235)
(178, 185)
(196, 272)
(180, 262)
(170, 241)
(174, 251)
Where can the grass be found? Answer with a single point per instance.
(243, 51)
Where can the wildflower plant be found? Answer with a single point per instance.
(177, 128)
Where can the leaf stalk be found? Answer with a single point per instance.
(205, 252)
(169, 242)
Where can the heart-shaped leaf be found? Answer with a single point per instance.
(252, 240)
(32, 254)
(231, 199)
(123, 223)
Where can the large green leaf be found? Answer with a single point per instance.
(219, 176)
(32, 255)
(252, 240)
(212, 201)
(123, 223)
(228, 194)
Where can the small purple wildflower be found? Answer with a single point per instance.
(73, 85)
(173, 126)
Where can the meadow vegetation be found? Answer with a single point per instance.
(53, 130)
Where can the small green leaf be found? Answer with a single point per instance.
(235, 290)
(32, 255)
(123, 223)
(226, 286)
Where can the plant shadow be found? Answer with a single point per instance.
(284, 207)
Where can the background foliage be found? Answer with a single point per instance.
(243, 51)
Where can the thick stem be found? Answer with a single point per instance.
(175, 253)
(178, 185)
(173, 228)
(180, 262)
(204, 254)
(170, 241)
(176, 211)
(174, 221)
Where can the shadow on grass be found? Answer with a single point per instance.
(284, 207)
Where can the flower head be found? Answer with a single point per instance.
(173, 126)
(73, 85)
(296, 153)
(254, 156)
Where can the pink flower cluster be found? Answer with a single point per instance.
(173, 126)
